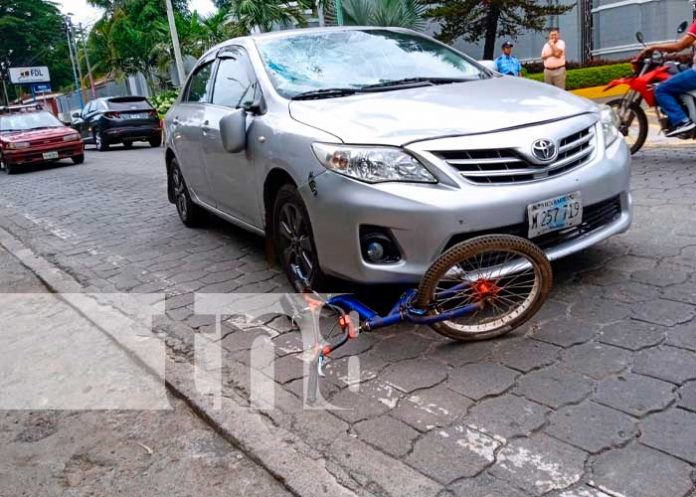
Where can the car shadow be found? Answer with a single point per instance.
(44, 166)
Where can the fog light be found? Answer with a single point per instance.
(378, 246)
(375, 252)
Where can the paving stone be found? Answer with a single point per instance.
(552, 309)
(667, 363)
(639, 471)
(288, 368)
(673, 431)
(438, 406)
(688, 396)
(631, 292)
(565, 332)
(683, 336)
(484, 485)
(524, 354)
(554, 386)
(539, 464)
(449, 454)
(600, 311)
(663, 275)
(372, 400)
(506, 416)
(459, 353)
(632, 335)
(414, 374)
(591, 427)
(387, 434)
(664, 312)
(242, 340)
(686, 292)
(401, 347)
(630, 263)
(480, 380)
(635, 394)
(595, 359)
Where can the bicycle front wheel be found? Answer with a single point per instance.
(507, 277)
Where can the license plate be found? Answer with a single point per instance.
(554, 214)
(136, 116)
(50, 155)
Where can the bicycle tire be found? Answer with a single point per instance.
(464, 251)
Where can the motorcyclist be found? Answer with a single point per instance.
(667, 93)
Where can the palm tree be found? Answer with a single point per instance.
(395, 13)
(265, 14)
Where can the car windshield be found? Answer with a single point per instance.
(128, 104)
(28, 121)
(354, 59)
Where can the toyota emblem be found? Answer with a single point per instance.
(544, 150)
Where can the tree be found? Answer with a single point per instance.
(264, 14)
(33, 30)
(473, 20)
(397, 13)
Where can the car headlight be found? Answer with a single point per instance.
(72, 137)
(18, 145)
(372, 164)
(610, 125)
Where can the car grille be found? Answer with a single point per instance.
(47, 141)
(496, 166)
(594, 217)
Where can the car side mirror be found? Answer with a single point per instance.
(233, 131)
(682, 27)
(639, 37)
(76, 115)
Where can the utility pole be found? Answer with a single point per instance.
(89, 68)
(72, 61)
(5, 74)
(175, 43)
(77, 58)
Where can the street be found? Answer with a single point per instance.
(595, 397)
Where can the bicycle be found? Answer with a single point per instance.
(478, 289)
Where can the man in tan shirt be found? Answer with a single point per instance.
(553, 55)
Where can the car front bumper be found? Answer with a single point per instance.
(35, 155)
(424, 220)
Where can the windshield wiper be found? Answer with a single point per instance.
(326, 93)
(413, 83)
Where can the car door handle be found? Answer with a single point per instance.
(205, 126)
(176, 121)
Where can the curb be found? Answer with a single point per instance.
(282, 453)
(597, 92)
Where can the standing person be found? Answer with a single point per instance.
(553, 55)
(507, 63)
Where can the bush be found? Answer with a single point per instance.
(163, 102)
(591, 76)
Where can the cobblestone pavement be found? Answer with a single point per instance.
(595, 397)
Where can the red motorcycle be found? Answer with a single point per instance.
(648, 72)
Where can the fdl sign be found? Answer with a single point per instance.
(27, 75)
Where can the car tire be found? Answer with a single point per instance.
(189, 213)
(294, 241)
(155, 141)
(100, 141)
(127, 144)
(78, 159)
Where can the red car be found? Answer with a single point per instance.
(33, 137)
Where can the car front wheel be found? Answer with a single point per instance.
(294, 241)
(78, 159)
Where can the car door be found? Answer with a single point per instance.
(187, 119)
(232, 175)
(81, 123)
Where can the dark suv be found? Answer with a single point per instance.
(110, 120)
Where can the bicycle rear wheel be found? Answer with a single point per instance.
(507, 276)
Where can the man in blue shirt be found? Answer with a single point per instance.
(507, 64)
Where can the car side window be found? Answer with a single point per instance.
(88, 108)
(235, 82)
(199, 86)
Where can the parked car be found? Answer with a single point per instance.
(364, 153)
(109, 120)
(34, 137)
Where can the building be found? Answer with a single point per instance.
(603, 28)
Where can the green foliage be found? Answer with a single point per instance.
(474, 20)
(398, 13)
(590, 76)
(163, 101)
(33, 30)
(264, 14)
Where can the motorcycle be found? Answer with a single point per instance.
(648, 72)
